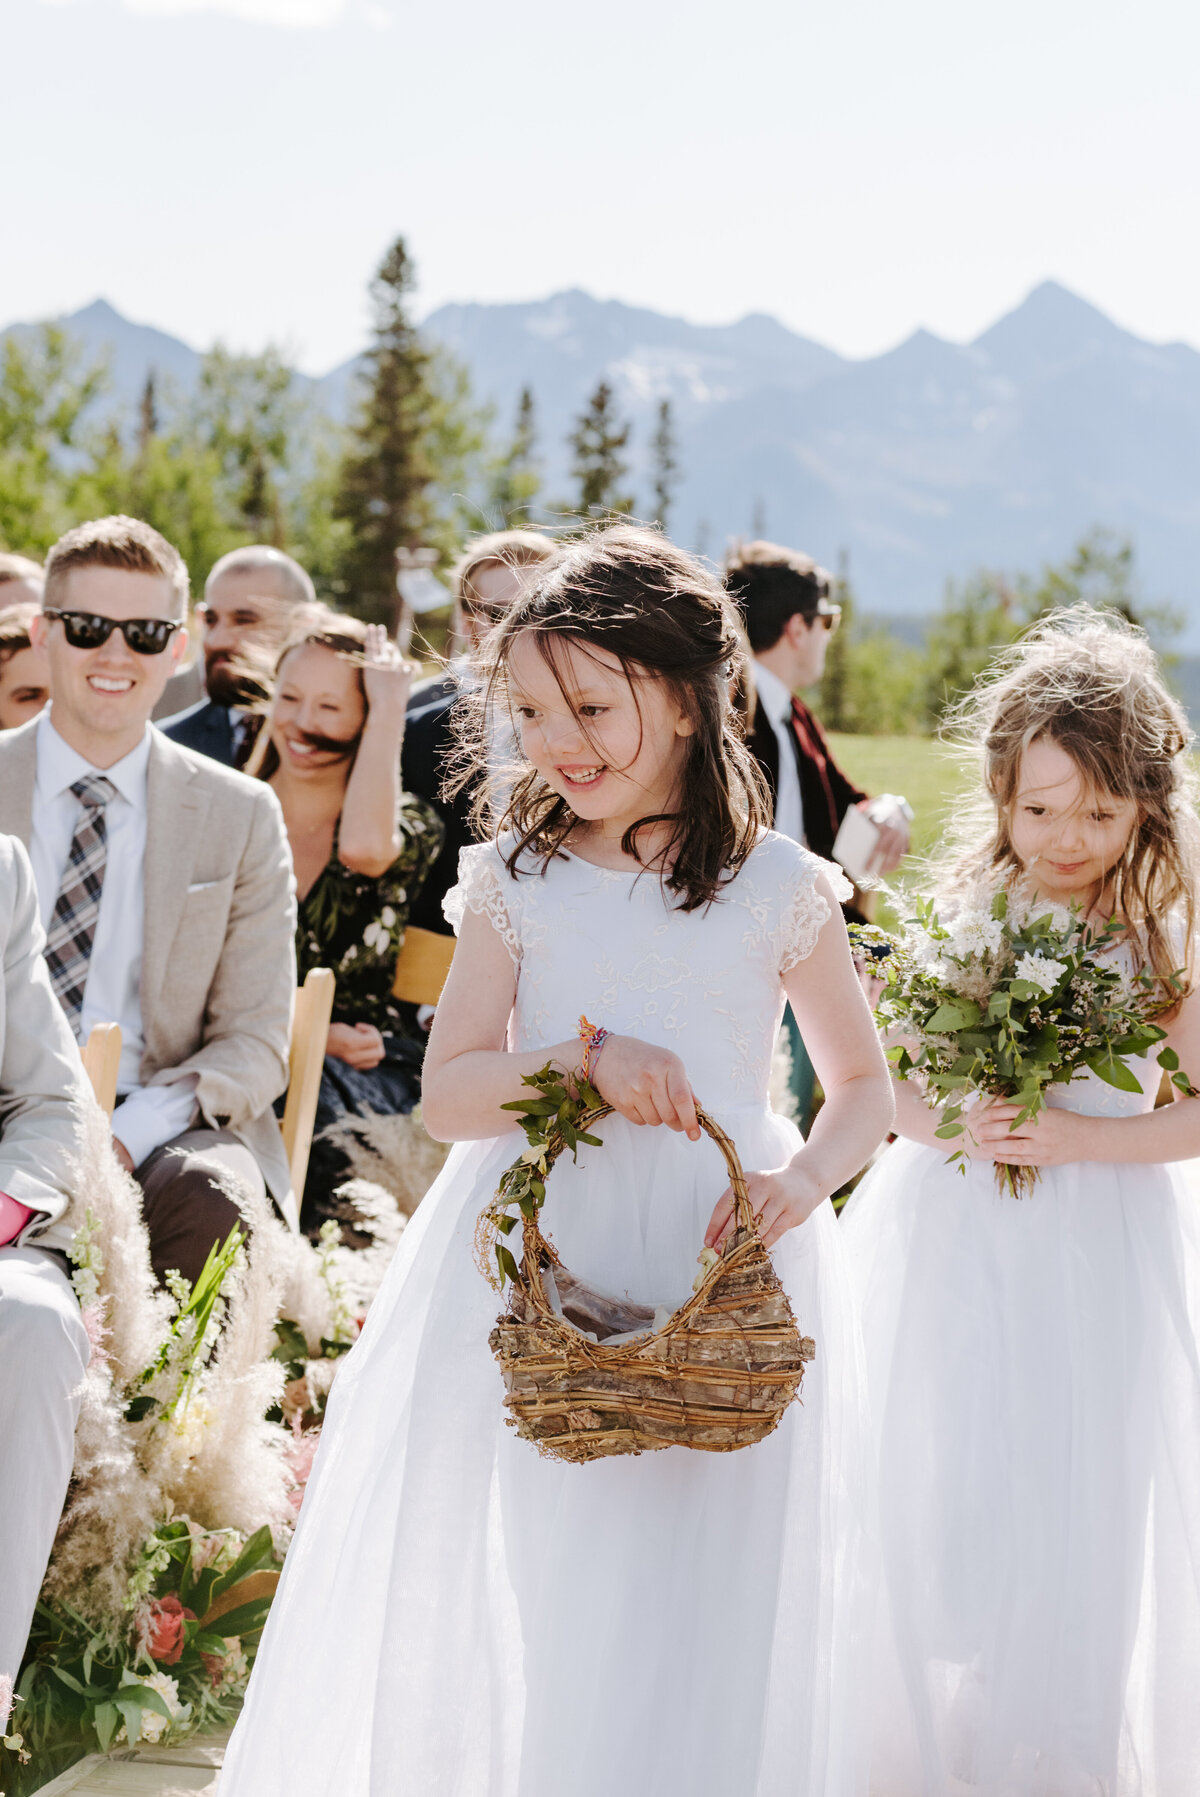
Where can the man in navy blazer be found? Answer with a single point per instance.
(253, 599)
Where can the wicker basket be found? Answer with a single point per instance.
(717, 1376)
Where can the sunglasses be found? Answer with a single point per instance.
(87, 630)
(830, 618)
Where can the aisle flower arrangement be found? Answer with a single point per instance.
(1005, 998)
(200, 1416)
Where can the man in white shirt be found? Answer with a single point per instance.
(165, 888)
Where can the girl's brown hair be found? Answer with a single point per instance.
(661, 613)
(1090, 682)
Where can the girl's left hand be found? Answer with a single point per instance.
(387, 676)
(1051, 1139)
(781, 1201)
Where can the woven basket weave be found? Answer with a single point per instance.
(717, 1376)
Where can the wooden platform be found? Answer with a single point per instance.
(185, 1771)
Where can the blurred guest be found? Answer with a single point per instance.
(489, 575)
(361, 846)
(43, 1344)
(20, 580)
(165, 889)
(254, 599)
(24, 670)
(786, 605)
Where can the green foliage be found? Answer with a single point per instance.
(45, 390)
(411, 453)
(1005, 999)
(596, 445)
(516, 476)
(556, 1117)
(664, 463)
(872, 681)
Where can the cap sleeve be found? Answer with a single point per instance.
(805, 909)
(486, 887)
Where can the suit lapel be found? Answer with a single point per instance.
(18, 777)
(175, 816)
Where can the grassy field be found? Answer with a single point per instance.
(916, 766)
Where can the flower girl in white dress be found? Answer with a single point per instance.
(459, 1617)
(1033, 1362)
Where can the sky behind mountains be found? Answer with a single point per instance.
(235, 168)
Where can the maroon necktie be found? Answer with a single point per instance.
(813, 751)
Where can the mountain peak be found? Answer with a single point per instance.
(1051, 328)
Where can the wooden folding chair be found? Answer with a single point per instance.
(310, 1030)
(101, 1056)
(422, 967)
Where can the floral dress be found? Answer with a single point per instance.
(355, 924)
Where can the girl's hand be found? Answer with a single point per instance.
(358, 1044)
(387, 676)
(1051, 1139)
(646, 1084)
(781, 1201)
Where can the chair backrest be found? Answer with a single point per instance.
(101, 1056)
(310, 1030)
(422, 967)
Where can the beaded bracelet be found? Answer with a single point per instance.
(593, 1037)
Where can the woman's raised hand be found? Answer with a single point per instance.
(387, 675)
(646, 1084)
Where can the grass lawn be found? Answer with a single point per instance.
(917, 766)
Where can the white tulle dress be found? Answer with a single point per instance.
(461, 1618)
(1036, 1391)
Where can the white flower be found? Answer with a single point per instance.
(153, 1725)
(387, 917)
(1040, 971)
(376, 937)
(975, 933)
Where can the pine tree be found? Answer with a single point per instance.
(388, 470)
(147, 414)
(596, 444)
(663, 446)
(516, 480)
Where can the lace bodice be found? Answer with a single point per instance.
(610, 944)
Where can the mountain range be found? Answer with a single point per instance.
(918, 465)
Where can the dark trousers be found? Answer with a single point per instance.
(392, 1088)
(185, 1203)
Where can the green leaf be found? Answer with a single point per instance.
(948, 1018)
(1169, 1060)
(1114, 1073)
(1000, 904)
(506, 1225)
(139, 1408)
(506, 1263)
(106, 1719)
(946, 1131)
(592, 1141)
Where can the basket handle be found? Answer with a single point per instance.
(737, 1178)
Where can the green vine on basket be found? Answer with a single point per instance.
(552, 1119)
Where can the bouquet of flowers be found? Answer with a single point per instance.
(1005, 999)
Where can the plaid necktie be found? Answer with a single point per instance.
(72, 928)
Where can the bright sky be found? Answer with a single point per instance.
(235, 168)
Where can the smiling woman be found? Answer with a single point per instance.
(361, 847)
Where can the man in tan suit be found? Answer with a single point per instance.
(43, 1344)
(165, 888)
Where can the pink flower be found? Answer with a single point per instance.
(97, 1332)
(160, 1629)
(298, 1457)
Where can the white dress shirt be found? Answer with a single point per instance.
(149, 1115)
(776, 702)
